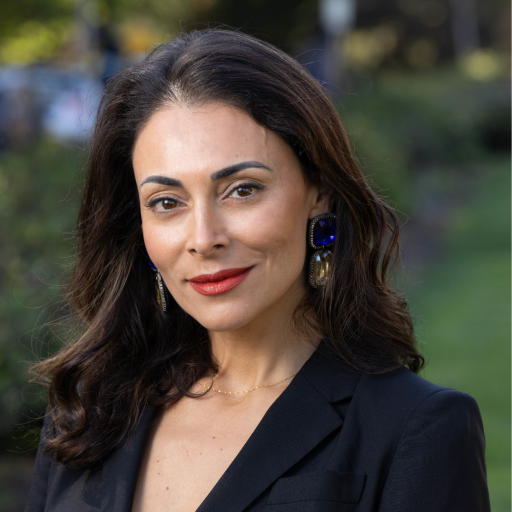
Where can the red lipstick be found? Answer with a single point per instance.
(220, 282)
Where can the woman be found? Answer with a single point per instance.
(242, 350)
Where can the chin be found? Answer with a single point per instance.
(222, 323)
(217, 315)
(237, 309)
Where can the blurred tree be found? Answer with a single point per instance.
(413, 33)
(284, 23)
(36, 211)
(421, 33)
(465, 30)
(15, 14)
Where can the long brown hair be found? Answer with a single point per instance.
(131, 353)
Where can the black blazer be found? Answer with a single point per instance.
(334, 441)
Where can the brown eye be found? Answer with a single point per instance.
(168, 204)
(165, 204)
(244, 191)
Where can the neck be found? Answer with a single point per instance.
(269, 349)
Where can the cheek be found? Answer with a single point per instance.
(161, 244)
(278, 230)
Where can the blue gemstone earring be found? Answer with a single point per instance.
(322, 234)
(159, 285)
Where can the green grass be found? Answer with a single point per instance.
(462, 308)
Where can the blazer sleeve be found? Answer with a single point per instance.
(37, 495)
(439, 463)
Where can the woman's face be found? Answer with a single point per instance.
(221, 194)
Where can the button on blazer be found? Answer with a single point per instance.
(334, 441)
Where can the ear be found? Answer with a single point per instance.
(321, 202)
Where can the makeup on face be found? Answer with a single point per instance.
(220, 282)
(224, 198)
(169, 203)
(223, 173)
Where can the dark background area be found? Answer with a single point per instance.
(423, 87)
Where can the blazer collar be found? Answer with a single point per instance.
(329, 374)
(294, 425)
(120, 472)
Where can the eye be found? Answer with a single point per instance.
(245, 190)
(163, 204)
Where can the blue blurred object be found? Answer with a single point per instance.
(61, 102)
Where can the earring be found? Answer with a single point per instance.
(322, 233)
(160, 295)
(159, 286)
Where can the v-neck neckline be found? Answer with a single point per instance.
(299, 396)
(303, 409)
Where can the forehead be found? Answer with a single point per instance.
(182, 138)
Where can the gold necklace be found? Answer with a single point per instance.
(247, 390)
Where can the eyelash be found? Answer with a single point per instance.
(156, 200)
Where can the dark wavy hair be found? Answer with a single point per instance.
(130, 353)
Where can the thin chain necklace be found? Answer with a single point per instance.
(247, 390)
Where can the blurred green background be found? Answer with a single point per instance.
(423, 87)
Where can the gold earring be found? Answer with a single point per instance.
(159, 285)
(160, 294)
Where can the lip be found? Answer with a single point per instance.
(220, 282)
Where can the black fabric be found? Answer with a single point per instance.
(334, 441)
(319, 486)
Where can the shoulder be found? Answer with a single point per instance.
(408, 391)
(400, 402)
(437, 448)
(420, 445)
(395, 395)
(415, 423)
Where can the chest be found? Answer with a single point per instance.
(189, 448)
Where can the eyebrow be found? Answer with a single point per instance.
(162, 180)
(232, 169)
(223, 173)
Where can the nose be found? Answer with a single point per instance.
(208, 234)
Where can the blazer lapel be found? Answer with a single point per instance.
(293, 426)
(120, 472)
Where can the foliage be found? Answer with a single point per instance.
(391, 33)
(16, 13)
(37, 210)
(291, 21)
(463, 306)
(404, 124)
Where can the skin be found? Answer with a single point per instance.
(257, 218)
